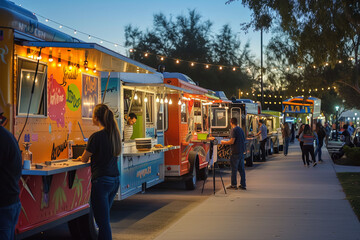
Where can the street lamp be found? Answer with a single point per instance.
(337, 122)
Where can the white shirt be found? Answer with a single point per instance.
(128, 131)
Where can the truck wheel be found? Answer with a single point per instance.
(84, 227)
(250, 160)
(190, 183)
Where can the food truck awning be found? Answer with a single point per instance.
(302, 105)
(167, 87)
(98, 57)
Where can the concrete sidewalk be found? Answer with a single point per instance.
(284, 200)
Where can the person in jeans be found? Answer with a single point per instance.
(320, 131)
(103, 147)
(10, 173)
(237, 142)
(301, 129)
(327, 133)
(263, 138)
(308, 137)
(286, 133)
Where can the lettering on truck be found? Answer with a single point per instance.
(143, 172)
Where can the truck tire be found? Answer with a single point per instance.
(190, 183)
(84, 227)
(250, 160)
(203, 173)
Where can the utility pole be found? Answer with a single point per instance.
(261, 73)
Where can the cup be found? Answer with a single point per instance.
(27, 164)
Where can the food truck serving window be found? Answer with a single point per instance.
(183, 113)
(26, 75)
(219, 117)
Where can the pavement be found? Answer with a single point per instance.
(283, 200)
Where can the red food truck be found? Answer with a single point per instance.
(188, 125)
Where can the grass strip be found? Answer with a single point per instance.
(351, 185)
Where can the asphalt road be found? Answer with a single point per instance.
(144, 216)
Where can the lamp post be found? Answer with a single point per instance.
(337, 122)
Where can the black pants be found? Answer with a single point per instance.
(262, 148)
(302, 152)
(309, 149)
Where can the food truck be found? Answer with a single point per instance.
(247, 113)
(308, 109)
(273, 123)
(188, 126)
(49, 85)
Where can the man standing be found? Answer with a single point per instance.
(128, 126)
(327, 133)
(10, 173)
(263, 138)
(237, 142)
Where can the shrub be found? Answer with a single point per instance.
(353, 154)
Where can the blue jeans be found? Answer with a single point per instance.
(318, 149)
(9, 216)
(237, 164)
(286, 145)
(103, 191)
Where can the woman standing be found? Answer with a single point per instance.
(308, 137)
(103, 147)
(286, 133)
(301, 129)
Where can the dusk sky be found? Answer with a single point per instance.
(106, 19)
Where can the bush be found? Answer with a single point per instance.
(353, 154)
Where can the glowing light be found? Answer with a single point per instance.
(136, 96)
(220, 68)
(146, 54)
(207, 66)
(60, 26)
(89, 37)
(145, 99)
(161, 101)
(94, 70)
(131, 50)
(170, 102)
(234, 69)
(177, 61)
(162, 59)
(75, 31)
(192, 64)
(179, 102)
(157, 99)
(340, 61)
(46, 20)
(166, 100)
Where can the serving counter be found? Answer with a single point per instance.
(54, 168)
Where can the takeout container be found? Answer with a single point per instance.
(202, 136)
(143, 143)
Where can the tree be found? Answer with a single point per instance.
(190, 39)
(316, 43)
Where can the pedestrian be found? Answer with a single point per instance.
(320, 131)
(346, 137)
(286, 136)
(237, 142)
(263, 138)
(327, 133)
(292, 133)
(10, 173)
(103, 147)
(129, 126)
(301, 129)
(308, 137)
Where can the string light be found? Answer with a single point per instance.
(146, 54)
(162, 59)
(234, 69)
(135, 96)
(220, 68)
(207, 66)
(192, 64)
(157, 99)
(177, 61)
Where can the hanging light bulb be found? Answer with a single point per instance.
(59, 62)
(145, 99)
(94, 70)
(220, 105)
(166, 100)
(157, 99)
(161, 101)
(50, 57)
(170, 102)
(136, 96)
(179, 102)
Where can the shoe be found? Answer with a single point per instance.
(321, 161)
(314, 164)
(242, 188)
(305, 165)
(232, 187)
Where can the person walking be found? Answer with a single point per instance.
(263, 138)
(320, 131)
(301, 129)
(292, 133)
(308, 137)
(327, 133)
(10, 173)
(103, 147)
(237, 142)
(286, 133)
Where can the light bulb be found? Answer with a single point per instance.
(166, 100)
(136, 96)
(50, 58)
(157, 99)
(145, 99)
(179, 102)
(162, 101)
(170, 102)
(220, 105)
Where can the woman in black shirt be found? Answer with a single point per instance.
(103, 147)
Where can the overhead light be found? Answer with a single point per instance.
(145, 99)
(94, 70)
(135, 96)
(179, 102)
(166, 100)
(59, 62)
(157, 99)
(170, 102)
(161, 101)
(50, 56)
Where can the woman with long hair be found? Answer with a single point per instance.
(286, 133)
(103, 147)
(308, 137)
(301, 129)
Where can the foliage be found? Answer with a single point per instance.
(351, 185)
(353, 153)
(320, 36)
(190, 38)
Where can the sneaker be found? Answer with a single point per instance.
(232, 187)
(242, 188)
(314, 164)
